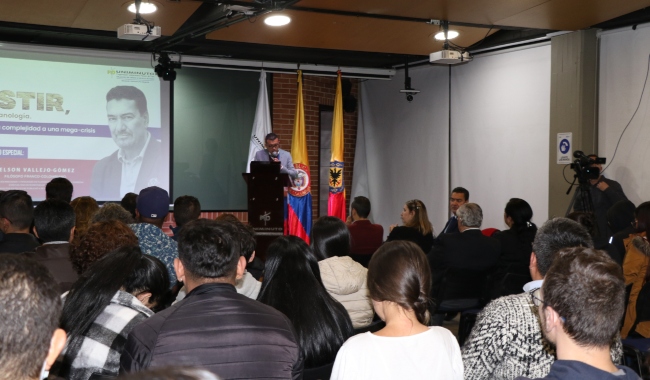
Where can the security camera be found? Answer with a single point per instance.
(409, 93)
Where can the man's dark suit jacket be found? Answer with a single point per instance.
(366, 237)
(466, 250)
(107, 173)
(451, 227)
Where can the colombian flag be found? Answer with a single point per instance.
(336, 201)
(299, 210)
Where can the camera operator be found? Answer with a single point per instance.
(604, 193)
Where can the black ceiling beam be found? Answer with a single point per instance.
(399, 18)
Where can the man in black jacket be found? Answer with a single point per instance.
(214, 327)
(468, 250)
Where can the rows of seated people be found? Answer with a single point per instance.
(90, 292)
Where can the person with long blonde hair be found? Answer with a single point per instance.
(417, 227)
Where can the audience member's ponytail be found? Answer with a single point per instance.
(399, 272)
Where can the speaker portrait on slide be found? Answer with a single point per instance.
(136, 163)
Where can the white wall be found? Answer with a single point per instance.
(500, 117)
(499, 140)
(623, 64)
(405, 155)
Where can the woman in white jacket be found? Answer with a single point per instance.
(344, 278)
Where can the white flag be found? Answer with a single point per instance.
(261, 124)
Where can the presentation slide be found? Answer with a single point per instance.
(103, 127)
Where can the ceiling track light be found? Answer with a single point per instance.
(277, 20)
(145, 7)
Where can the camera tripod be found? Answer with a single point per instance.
(582, 193)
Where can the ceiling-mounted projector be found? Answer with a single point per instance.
(138, 32)
(449, 57)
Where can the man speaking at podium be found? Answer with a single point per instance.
(273, 153)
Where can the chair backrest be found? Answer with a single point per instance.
(318, 373)
(512, 283)
(463, 283)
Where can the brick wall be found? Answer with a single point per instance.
(316, 91)
(242, 216)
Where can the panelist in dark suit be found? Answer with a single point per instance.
(136, 164)
(459, 196)
(469, 249)
(365, 237)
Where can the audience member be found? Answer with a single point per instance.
(112, 211)
(255, 265)
(580, 306)
(100, 239)
(506, 340)
(247, 285)
(59, 188)
(416, 228)
(290, 286)
(207, 328)
(172, 373)
(635, 269)
(365, 236)
(152, 206)
(620, 219)
(54, 222)
(399, 281)
(30, 307)
(16, 216)
(128, 202)
(588, 221)
(459, 196)
(468, 250)
(111, 297)
(186, 209)
(604, 194)
(344, 278)
(517, 241)
(84, 208)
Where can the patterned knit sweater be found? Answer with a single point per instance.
(507, 342)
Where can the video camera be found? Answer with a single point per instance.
(582, 166)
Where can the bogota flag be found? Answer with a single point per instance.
(336, 201)
(299, 209)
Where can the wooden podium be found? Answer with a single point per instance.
(266, 202)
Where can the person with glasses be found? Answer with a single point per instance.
(506, 340)
(16, 216)
(580, 306)
(273, 153)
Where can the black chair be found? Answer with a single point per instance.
(461, 289)
(318, 373)
(635, 354)
(511, 283)
(461, 284)
(466, 324)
